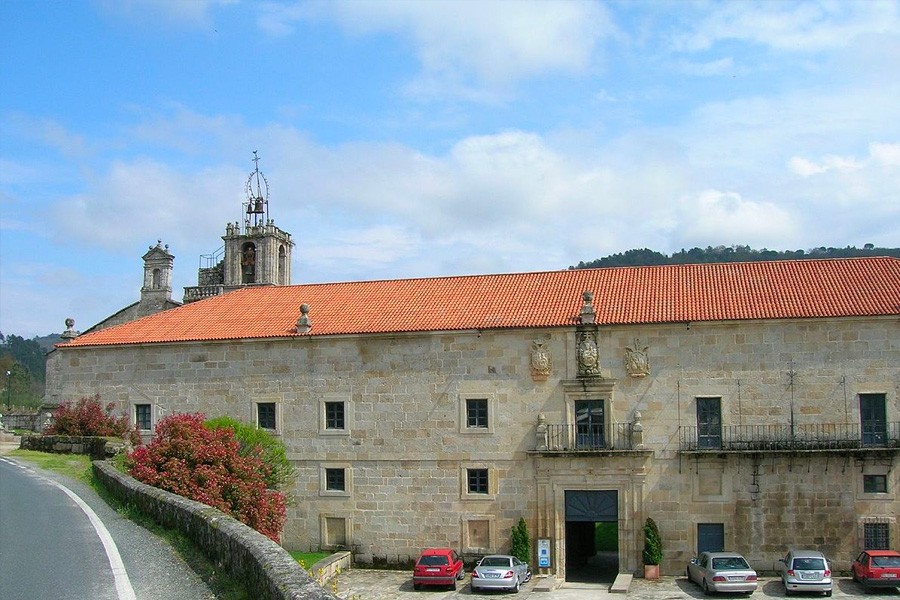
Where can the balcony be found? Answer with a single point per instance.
(575, 438)
(784, 438)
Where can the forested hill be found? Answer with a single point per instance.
(721, 254)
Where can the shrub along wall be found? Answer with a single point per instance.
(267, 570)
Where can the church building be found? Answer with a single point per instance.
(751, 407)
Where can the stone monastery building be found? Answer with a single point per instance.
(746, 406)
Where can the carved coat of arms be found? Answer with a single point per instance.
(588, 355)
(541, 361)
(637, 364)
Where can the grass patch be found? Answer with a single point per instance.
(74, 466)
(308, 559)
(78, 467)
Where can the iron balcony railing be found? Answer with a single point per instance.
(572, 437)
(816, 436)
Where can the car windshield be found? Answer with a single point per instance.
(729, 563)
(433, 561)
(886, 561)
(494, 561)
(809, 564)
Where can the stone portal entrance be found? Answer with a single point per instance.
(592, 538)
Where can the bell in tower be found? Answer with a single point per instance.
(256, 251)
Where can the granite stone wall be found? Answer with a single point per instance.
(264, 567)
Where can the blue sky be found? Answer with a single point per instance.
(411, 139)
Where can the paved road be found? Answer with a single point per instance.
(368, 584)
(50, 549)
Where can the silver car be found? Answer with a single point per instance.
(805, 571)
(722, 572)
(500, 572)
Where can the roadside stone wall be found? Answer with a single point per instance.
(265, 568)
(98, 448)
(29, 420)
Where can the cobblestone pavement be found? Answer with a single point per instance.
(367, 584)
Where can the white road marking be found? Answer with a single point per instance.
(123, 583)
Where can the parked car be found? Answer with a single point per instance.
(805, 571)
(722, 572)
(438, 566)
(877, 568)
(500, 572)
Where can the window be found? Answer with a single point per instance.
(477, 481)
(335, 480)
(265, 415)
(477, 413)
(875, 484)
(709, 422)
(876, 536)
(334, 416)
(142, 416)
(873, 417)
(589, 424)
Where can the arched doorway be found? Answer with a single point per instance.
(592, 536)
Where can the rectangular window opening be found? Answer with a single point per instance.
(875, 484)
(477, 413)
(335, 415)
(335, 480)
(478, 481)
(142, 416)
(876, 536)
(265, 415)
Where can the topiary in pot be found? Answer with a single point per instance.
(652, 554)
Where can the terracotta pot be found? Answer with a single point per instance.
(651, 571)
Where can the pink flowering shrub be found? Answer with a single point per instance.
(205, 465)
(88, 417)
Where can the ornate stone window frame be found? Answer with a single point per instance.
(348, 415)
(464, 492)
(463, 414)
(323, 480)
(597, 388)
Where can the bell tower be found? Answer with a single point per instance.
(256, 251)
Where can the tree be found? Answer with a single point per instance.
(521, 543)
(652, 553)
(270, 449)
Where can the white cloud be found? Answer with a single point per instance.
(791, 26)
(713, 217)
(467, 46)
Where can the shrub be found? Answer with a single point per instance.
(521, 543)
(253, 439)
(88, 417)
(652, 554)
(205, 465)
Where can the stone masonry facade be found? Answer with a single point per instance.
(405, 448)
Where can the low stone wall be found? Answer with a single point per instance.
(265, 568)
(330, 567)
(27, 420)
(97, 448)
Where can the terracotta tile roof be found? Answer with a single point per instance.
(627, 295)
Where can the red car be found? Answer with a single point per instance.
(877, 568)
(438, 566)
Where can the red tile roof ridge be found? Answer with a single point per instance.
(801, 288)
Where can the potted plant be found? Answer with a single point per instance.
(652, 554)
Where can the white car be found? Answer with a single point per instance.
(500, 572)
(722, 572)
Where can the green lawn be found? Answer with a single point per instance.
(308, 559)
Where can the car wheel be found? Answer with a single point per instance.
(828, 594)
(453, 585)
(705, 587)
(517, 586)
(527, 576)
(462, 575)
